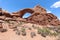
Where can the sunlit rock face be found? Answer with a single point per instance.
(38, 16)
(40, 25)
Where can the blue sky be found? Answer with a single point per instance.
(52, 6)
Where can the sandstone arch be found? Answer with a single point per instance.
(28, 10)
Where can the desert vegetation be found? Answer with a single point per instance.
(3, 30)
(44, 31)
(33, 34)
(21, 29)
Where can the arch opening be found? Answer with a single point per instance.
(27, 12)
(26, 15)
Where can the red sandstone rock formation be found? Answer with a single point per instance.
(38, 16)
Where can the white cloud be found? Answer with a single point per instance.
(56, 5)
(48, 11)
(59, 18)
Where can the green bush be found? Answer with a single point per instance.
(54, 34)
(23, 31)
(44, 32)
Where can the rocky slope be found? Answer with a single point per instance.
(39, 26)
(13, 30)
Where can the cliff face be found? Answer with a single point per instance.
(38, 16)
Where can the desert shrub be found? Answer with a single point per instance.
(57, 29)
(18, 32)
(51, 28)
(39, 30)
(3, 30)
(44, 32)
(29, 28)
(54, 34)
(23, 31)
(33, 34)
(34, 27)
(54, 28)
(15, 29)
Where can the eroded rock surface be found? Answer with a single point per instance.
(38, 16)
(16, 27)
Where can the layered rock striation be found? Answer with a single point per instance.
(38, 16)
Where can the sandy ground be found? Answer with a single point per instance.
(11, 35)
